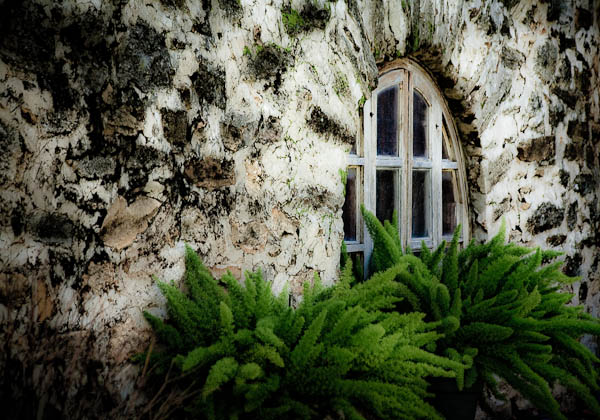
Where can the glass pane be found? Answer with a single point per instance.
(420, 204)
(444, 148)
(349, 215)
(445, 154)
(420, 116)
(387, 122)
(448, 203)
(386, 194)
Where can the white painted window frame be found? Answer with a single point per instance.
(408, 75)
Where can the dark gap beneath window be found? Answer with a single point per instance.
(419, 204)
(386, 194)
(349, 215)
(448, 204)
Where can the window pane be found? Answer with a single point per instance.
(448, 203)
(420, 204)
(386, 194)
(387, 122)
(444, 148)
(350, 204)
(420, 116)
(445, 139)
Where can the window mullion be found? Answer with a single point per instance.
(435, 127)
(354, 160)
(370, 150)
(405, 152)
(389, 162)
(447, 164)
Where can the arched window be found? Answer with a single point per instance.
(409, 160)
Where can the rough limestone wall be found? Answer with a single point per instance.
(131, 127)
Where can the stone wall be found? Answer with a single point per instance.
(131, 127)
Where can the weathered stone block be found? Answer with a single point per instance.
(124, 222)
(556, 240)
(583, 18)
(537, 149)
(501, 208)
(574, 151)
(232, 8)
(174, 126)
(511, 58)
(578, 131)
(572, 215)
(173, 3)
(546, 216)
(250, 237)
(10, 144)
(564, 177)
(569, 98)
(209, 83)
(143, 59)
(42, 302)
(96, 166)
(584, 184)
(324, 124)
(232, 136)
(210, 173)
(545, 61)
(51, 228)
(271, 61)
(497, 168)
(572, 265)
(312, 16)
(269, 130)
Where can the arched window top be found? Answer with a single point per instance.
(410, 160)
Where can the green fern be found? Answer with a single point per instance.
(513, 318)
(241, 352)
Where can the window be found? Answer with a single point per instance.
(409, 160)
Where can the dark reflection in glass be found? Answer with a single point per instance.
(445, 139)
(349, 210)
(387, 122)
(444, 149)
(448, 203)
(420, 203)
(386, 194)
(420, 116)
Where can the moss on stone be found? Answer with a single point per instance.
(311, 16)
(323, 124)
(292, 21)
(270, 60)
(340, 85)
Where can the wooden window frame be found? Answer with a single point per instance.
(408, 76)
